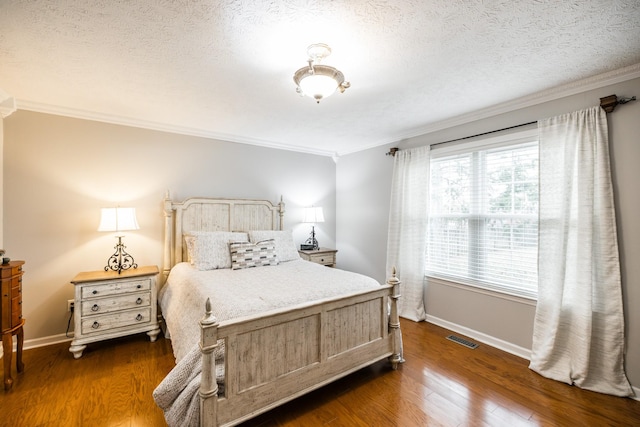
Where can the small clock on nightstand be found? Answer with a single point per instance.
(324, 256)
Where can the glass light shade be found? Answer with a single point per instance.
(313, 215)
(318, 86)
(319, 81)
(118, 219)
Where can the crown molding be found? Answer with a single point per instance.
(573, 88)
(162, 127)
(7, 104)
(551, 94)
(579, 86)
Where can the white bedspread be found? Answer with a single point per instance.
(234, 294)
(238, 293)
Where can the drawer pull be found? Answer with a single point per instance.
(139, 301)
(95, 307)
(94, 292)
(139, 286)
(95, 325)
(139, 317)
(321, 259)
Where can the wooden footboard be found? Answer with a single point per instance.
(272, 359)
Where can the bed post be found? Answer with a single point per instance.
(394, 321)
(208, 385)
(168, 237)
(281, 214)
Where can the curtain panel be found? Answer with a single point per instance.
(579, 324)
(408, 221)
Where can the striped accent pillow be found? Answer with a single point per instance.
(247, 255)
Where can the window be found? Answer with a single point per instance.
(483, 214)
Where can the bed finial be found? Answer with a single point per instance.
(281, 213)
(393, 280)
(208, 318)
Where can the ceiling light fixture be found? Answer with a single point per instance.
(316, 80)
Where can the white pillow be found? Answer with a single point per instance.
(285, 248)
(209, 250)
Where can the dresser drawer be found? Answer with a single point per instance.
(121, 319)
(11, 271)
(16, 312)
(115, 287)
(115, 303)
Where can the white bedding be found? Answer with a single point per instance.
(238, 293)
(233, 293)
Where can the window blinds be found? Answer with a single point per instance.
(483, 214)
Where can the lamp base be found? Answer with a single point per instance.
(311, 242)
(120, 260)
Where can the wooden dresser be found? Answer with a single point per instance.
(109, 305)
(11, 317)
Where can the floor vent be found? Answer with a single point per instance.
(462, 341)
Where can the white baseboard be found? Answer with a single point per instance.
(525, 353)
(516, 350)
(41, 342)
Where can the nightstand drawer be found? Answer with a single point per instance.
(324, 259)
(115, 287)
(120, 319)
(122, 302)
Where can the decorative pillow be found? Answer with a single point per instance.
(246, 255)
(285, 248)
(209, 250)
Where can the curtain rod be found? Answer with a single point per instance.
(608, 104)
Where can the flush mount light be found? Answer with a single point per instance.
(316, 80)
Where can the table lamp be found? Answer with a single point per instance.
(119, 219)
(312, 215)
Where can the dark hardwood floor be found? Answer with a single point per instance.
(441, 384)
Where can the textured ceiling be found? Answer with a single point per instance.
(224, 68)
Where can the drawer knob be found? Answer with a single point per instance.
(95, 325)
(139, 286)
(321, 259)
(94, 292)
(95, 307)
(139, 301)
(139, 317)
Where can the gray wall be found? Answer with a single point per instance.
(58, 172)
(363, 183)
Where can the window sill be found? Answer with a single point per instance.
(503, 294)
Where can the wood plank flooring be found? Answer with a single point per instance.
(441, 384)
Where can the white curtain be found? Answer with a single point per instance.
(579, 325)
(408, 228)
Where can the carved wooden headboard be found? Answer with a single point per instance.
(208, 214)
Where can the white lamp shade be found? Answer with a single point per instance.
(313, 214)
(118, 219)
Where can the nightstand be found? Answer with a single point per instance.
(324, 256)
(109, 305)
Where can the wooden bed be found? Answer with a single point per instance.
(332, 337)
